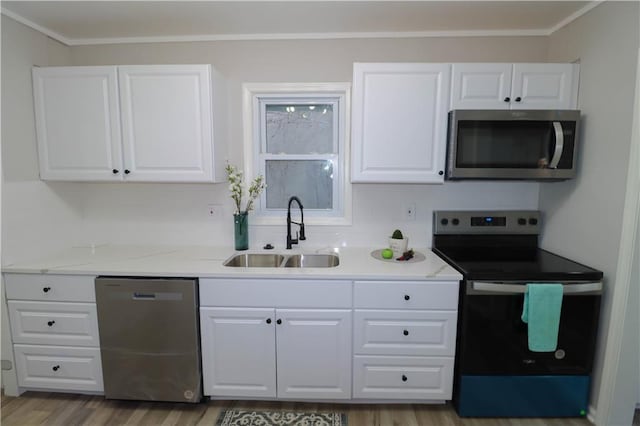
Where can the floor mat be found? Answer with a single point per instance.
(280, 418)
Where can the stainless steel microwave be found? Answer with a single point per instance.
(512, 144)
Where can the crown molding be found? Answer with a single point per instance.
(309, 36)
(575, 15)
(46, 31)
(302, 36)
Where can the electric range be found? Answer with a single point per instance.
(496, 375)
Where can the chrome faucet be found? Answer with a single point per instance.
(300, 236)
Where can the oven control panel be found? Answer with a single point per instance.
(486, 222)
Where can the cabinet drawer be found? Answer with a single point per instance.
(54, 323)
(63, 368)
(423, 333)
(62, 288)
(269, 293)
(403, 377)
(406, 295)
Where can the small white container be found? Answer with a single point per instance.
(398, 246)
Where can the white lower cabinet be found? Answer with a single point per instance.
(276, 351)
(58, 323)
(238, 351)
(289, 339)
(59, 367)
(397, 332)
(54, 329)
(404, 340)
(313, 355)
(395, 377)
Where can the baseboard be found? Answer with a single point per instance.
(591, 414)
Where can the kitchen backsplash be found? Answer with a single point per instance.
(87, 213)
(177, 214)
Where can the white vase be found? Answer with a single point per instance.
(398, 246)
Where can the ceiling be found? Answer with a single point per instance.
(97, 22)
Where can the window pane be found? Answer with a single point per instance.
(309, 180)
(299, 129)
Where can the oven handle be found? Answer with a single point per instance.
(557, 152)
(489, 287)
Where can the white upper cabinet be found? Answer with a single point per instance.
(545, 86)
(481, 86)
(78, 123)
(514, 86)
(399, 122)
(144, 123)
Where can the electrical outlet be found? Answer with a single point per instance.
(410, 211)
(214, 210)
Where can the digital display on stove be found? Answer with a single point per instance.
(489, 221)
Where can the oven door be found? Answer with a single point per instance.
(494, 340)
(497, 376)
(500, 144)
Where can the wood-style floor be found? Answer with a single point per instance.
(35, 408)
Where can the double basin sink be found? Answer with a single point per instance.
(268, 260)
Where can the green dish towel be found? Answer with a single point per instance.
(541, 311)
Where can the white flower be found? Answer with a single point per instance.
(234, 176)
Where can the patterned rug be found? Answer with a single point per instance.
(279, 418)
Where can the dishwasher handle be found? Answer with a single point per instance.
(144, 296)
(150, 296)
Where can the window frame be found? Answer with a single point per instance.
(255, 97)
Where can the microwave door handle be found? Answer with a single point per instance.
(557, 152)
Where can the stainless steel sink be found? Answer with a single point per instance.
(312, 261)
(268, 260)
(255, 260)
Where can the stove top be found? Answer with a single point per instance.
(519, 265)
(501, 246)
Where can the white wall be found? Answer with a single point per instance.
(177, 213)
(584, 215)
(36, 217)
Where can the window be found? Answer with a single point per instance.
(296, 136)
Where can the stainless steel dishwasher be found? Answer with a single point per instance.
(149, 338)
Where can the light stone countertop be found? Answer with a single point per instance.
(356, 263)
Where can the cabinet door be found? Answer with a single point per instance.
(404, 332)
(54, 323)
(62, 368)
(544, 86)
(77, 123)
(314, 353)
(50, 287)
(399, 122)
(481, 86)
(167, 122)
(238, 352)
(398, 377)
